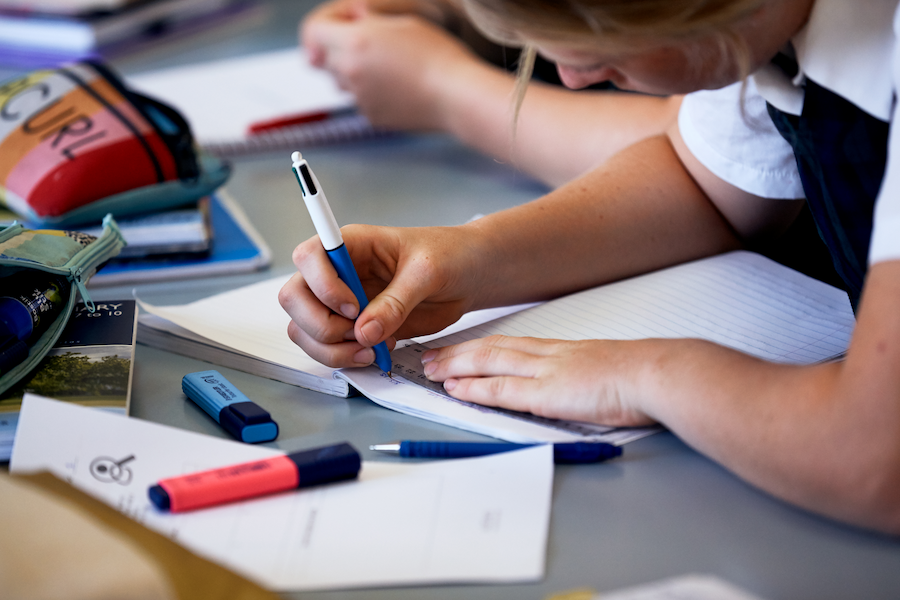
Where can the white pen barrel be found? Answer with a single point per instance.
(323, 219)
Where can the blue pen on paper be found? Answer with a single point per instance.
(563, 453)
(330, 234)
(231, 409)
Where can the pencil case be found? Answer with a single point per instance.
(77, 144)
(70, 258)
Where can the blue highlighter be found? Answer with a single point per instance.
(231, 409)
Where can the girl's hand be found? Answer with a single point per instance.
(580, 381)
(418, 281)
(394, 64)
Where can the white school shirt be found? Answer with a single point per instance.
(847, 46)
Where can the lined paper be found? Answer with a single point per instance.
(740, 300)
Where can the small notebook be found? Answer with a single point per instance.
(740, 300)
(185, 230)
(223, 99)
(236, 247)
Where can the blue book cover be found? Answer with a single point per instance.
(236, 247)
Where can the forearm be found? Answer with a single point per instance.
(560, 134)
(825, 437)
(637, 213)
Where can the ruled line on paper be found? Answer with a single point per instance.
(740, 300)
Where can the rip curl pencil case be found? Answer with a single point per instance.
(77, 144)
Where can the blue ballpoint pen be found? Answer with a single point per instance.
(570, 452)
(330, 234)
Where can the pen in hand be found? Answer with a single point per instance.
(563, 453)
(330, 234)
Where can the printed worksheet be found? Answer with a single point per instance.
(479, 520)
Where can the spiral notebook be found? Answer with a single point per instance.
(222, 100)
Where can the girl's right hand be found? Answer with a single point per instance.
(418, 280)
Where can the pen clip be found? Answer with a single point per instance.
(308, 183)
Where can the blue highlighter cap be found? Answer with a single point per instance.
(234, 411)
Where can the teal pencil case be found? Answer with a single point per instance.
(66, 260)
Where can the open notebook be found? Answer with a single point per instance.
(740, 299)
(221, 100)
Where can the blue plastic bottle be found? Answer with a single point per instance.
(31, 304)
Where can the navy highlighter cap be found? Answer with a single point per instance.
(234, 411)
(327, 464)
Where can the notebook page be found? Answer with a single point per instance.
(220, 99)
(740, 300)
(248, 319)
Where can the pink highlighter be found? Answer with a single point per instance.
(257, 478)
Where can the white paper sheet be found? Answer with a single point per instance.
(260, 331)
(221, 99)
(471, 520)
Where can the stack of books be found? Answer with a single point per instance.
(213, 237)
(38, 33)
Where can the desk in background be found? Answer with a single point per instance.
(662, 510)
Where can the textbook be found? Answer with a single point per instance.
(264, 101)
(740, 299)
(235, 247)
(92, 364)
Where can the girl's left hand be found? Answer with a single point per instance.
(590, 380)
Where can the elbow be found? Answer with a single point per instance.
(871, 499)
(882, 499)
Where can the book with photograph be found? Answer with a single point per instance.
(92, 364)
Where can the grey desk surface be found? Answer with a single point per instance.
(660, 511)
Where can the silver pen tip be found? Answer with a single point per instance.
(393, 447)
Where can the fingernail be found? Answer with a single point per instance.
(450, 384)
(429, 369)
(366, 356)
(372, 331)
(428, 356)
(348, 310)
(349, 335)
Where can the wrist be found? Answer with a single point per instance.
(454, 88)
(476, 267)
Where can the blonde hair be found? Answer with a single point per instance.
(611, 23)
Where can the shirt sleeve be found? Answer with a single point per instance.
(885, 243)
(730, 132)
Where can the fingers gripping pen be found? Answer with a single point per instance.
(330, 234)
